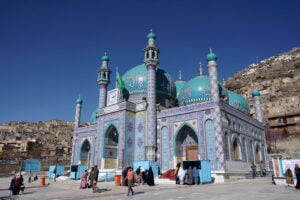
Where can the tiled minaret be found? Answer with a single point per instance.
(214, 89)
(76, 124)
(151, 62)
(78, 112)
(256, 96)
(103, 81)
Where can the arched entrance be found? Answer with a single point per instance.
(85, 153)
(186, 144)
(111, 148)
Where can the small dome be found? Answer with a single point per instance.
(105, 58)
(151, 35)
(79, 101)
(198, 90)
(136, 85)
(238, 101)
(211, 57)
(255, 93)
(94, 116)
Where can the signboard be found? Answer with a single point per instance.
(31, 165)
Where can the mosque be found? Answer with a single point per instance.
(151, 117)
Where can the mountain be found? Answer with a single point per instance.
(50, 133)
(278, 80)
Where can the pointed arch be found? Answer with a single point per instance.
(236, 148)
(226, 146)
(186, 143)
(110, 147)
(257, 153)
(251, 151)
(85, 152)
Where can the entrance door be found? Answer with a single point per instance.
(191, 152)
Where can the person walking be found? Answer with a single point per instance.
(176, 173)
(253, 167)
(96, 174)
(130, 179)
(92, 179)
(297, 172)
(138, 175)
(83, 183)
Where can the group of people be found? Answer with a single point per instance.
(263, 171)
(289, 176)
(139, 176)
(190, 178)
(17, 185)
(90, 179)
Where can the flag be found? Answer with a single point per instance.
(120, 82)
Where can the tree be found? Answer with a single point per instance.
(285, 133)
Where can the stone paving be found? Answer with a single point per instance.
(69, 189)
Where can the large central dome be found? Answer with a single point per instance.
(136, 85)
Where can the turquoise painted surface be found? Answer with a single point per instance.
(238, 101)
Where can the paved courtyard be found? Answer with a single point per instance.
(247, 189)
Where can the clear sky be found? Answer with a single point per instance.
(50, 50)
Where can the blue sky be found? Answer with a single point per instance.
(50, 50)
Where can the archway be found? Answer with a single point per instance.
(257, 154)
(85, 154)
(236, 150)
(111, 148)
(186, 144)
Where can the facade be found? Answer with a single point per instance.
(152, 117)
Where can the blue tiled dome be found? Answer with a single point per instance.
(197, 90)
(238, 101)
(179, 85)
(136, 84)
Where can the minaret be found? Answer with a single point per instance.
(200, 69)
(151, 62)
(78, 112)
(256, 96)
(179, 75)
(214, 90)
(103, 80)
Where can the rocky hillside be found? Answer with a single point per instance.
(49, 133)
(278, 80)
(281, 72)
